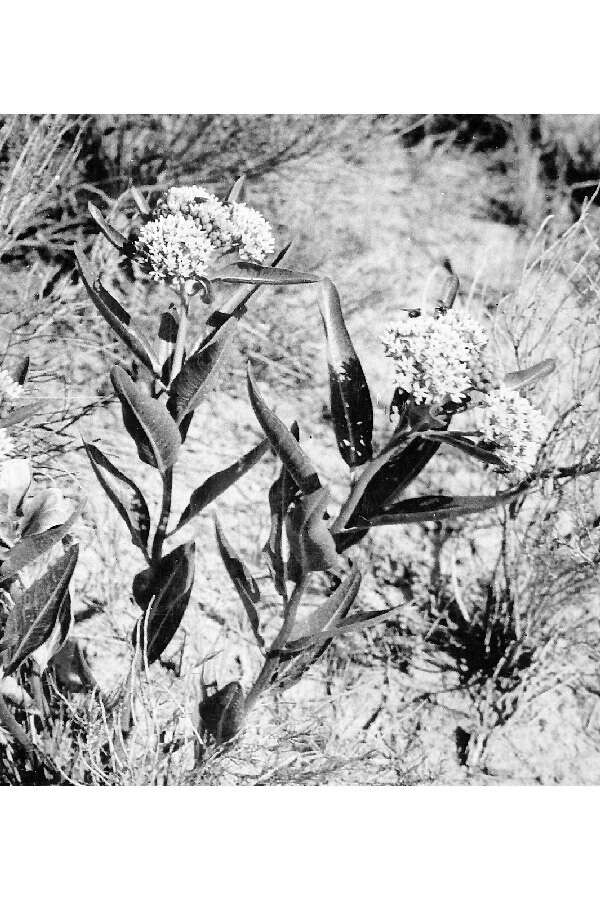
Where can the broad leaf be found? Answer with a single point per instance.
(351, 407)
(167, 593)
(250, 273)
(199, 374)
(312, 547)
(222, 714)
(36, 614)
(115, 237)
(283, 443)
(527, 377)
(146, 419)
(30, 548)
(124, 494)
(117, 316)
(242, 579)
(217, 484)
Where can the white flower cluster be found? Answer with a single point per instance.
(9, 389)
(190, 227)
(437, 358)
(514, 427)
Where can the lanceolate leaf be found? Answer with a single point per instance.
(43, 511)
(58, 637)
(351, 407)
(469, 448)
(21, 414)
(250, 273)
(360, 621)
(168, 589)
(527, 377)
(281, 494)
(236, 194)
(30, 548)
(140, 201)
(222, 714)
(167, 337)
(146, 419)
(242, 579)
(218, 483)
(32, 620)
(115, 237)
(199, 374)
(312, 547)
(283, 443)
(124, 494)
(330, 612)
(117, 317)
(437, 507)
(19, 369)
(235, 306)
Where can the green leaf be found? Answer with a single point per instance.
(456, 439)
(30, 548)
(124, 494)
(115, 237)
(19, 369)
(436, 507)
(167, 593)
(15, 480)
(35, 615)
(146, 419)
(217, 484)
(281, 493)
(525, 378)
(222, 714)
(117, 316)
(312, 547)
(199, 374)
(140, 201)
(329, 613)
(360, 620)
(283, 443)
(235, 306)
(237, 192)
(250, 273)
(21, 414)
(167, 337)
(351, 407)
(242, 579)
(45, 510)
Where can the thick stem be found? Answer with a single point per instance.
(272, 661)
(181, 333)
(165, 512)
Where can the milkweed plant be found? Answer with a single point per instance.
(214, 255)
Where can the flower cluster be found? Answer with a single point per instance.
(9, 389)
(437, 358)
(191, 227)
(513, 427)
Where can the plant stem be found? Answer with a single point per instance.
(272, 661)
(15, 730)
(181, 333)
(165, 512)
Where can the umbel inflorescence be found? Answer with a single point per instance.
(191, 229)
(441, 358)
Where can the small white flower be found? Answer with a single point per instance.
(253, 232)
(191, 227)
(173, 248)
(514, 427)
(9, 389)
(437, 358)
